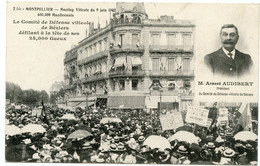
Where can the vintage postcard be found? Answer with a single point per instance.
(132, 83)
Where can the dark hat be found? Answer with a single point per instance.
(134, 147)
(145, 149)
(210, 138)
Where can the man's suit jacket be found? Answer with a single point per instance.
(221, 64)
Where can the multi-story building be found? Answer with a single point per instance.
(133, 63)
(56, 86)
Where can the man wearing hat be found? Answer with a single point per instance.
(182, 155)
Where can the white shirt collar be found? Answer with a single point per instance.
(232, 52)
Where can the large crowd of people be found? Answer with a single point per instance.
(119, 136)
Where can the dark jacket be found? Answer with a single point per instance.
(221, 64)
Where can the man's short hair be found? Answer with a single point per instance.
(229, 26)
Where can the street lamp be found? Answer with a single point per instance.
(160, 90)
(86, 92)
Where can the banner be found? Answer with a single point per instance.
(223, 116)
(197, 115)
(171, 121)
(36, 112)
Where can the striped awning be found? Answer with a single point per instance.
(136, 61)
(126, 102)
(120, 61)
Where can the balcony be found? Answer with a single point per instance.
(126, 49)
(122, 73)
(92, 58)
(70, 58)
(165, 73)
(187, 96)
(171, 48)
(94, 78)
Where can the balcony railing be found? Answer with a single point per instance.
(94, 78)
(119, 73)
(70, 58)
(172, 73)
(171, 22)
(126, 48)
(171, 48)
(92, 58)
(165, 92)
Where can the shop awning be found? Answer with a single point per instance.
(128, 102)
(120, 61)
(136, 61)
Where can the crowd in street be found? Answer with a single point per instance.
(119, 136)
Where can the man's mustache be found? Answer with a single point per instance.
(228, 42)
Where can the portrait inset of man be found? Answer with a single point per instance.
(228, 61)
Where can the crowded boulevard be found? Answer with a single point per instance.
(57, 135)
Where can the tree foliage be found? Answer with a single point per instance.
(28, 97)
(56, 96)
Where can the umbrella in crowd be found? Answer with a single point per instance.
(80, 134)
(33, 128)
(184, 136)
(12, 130)
(68, 117)
(109, 120)
(245, 136)
(155, 141)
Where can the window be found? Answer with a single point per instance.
(134, 84)
(121, 84)
(172, 40)
(105, 45)
(156, 85)
(171, 65)
(94, 49)
(155, 39)
(121, 40)
(186, 84)
(186, 64)
(155, 64)
(100, 46)
(135, 39)
(86, 52)
(171, 85)
(90, 51)
(186, 39)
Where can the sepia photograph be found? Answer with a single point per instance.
(131, 83)
(228, 60)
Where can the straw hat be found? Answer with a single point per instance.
(229, 152)
(141, 139)
(210, 145)
(182, 150)
(121, 147)
(113, 147)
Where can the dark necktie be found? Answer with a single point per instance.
(230, 55)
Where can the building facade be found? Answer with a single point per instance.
(133, 63)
